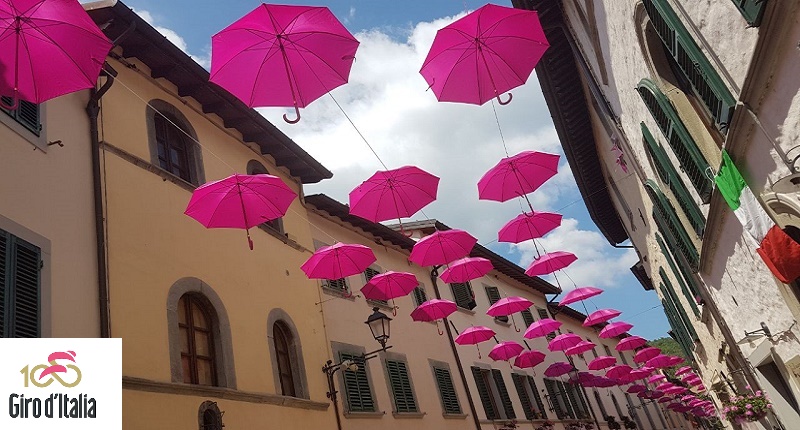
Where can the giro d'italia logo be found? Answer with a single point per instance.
(72, 383)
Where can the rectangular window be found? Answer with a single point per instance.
(400, 384)
(578, 404)
(420, 296)
(622, 357)
(370, 273)
(682, 277)
(336, 284)
(447, 391)
(356, 386)
(556, 398)
(500, 385)
(752, 10)
(462, 293)
(527, 317)
(528, 396)
(26, 113)
(608, 350)
(483, 384)
(542, 315)
(493, 294)
(20, 287)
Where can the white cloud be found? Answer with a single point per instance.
(204, 60)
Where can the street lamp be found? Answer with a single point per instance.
(378, 324)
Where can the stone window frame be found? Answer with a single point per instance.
(209, 405)
(194, 151)
(339, 348)
(436, 364)
(295, 353)
(221, 327)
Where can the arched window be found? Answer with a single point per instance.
(286, 353)
(209, 416)
(282, 339)
(173, 142)
(256, 168)
(197, 340)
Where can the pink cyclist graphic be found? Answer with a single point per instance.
(54, 370)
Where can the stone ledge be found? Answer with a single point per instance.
(378, 414)
(406, 415)
(455, 416)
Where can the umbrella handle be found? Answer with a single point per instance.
(503, 103)
(441, 333)
(249, 241)
(296, 120)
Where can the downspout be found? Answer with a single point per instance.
(434, 276)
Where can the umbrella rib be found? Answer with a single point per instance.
(51, 40)
(310, 52)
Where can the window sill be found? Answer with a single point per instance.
(339, 293)
(384, 306)
(503, 323)
(408, 415)
(283, 237)
(455, 416)
(378, 414)
(466, 311)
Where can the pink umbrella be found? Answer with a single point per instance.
(645, 354)
(241, 201)
(517, 176)
(484, 54)
(682, 370)
(281, 55)
(578, 294)
(606, 382)
(48, 48)
(508, 306)
(630, 342)
(442, 247)
(674, 360)
(542, 328)
(466, 269)
(557, 369)
(563, 342)
(700, 387)
(676, 390)
(656, 394)
(635, 389)
(659, 361)
(434, 310)
(602, 362)
(549, 263)
(614, 329)
(393, 194)
(618, 371)
(528, 359)
(528, 226)
(694, 382)
(338, 261)
(665, 399)
(656, 378)
(665, 386)
(389, 285)
(600, 316)
(505, 350)
(580, 348)
(474, 336)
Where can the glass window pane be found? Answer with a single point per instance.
(202, 343)
(205, 372)
(187, 370)
(185, 340)
(198, 317)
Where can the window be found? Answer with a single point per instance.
(607, 350)
(400, 384)
(256, 168)
(197, 343)
(339, 285)
(370, 273)
(543, 314)
(26, 114)
(600, 404)
(173, 142)
(622, 357)
(527, 317)
(529, 396)
(684, 278)
(669, 290)
(282, 339)
(670, 226)
(420, 296)
(210, 416)
(616, 406)
(493, 295)
(594, 350)
(462, 293)
(173, 148)
(752, 10)
(633, 413)
(286, 355)
(577, 403)
(492, 391)
(356, 386)
(447, 391)
(20, 287)
(557, 399)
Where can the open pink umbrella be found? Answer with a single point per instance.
(636, 389)
(393, 194)
(527, 226)
(484, 54)
(241, 201)
(645, 354)
(614, 329)
(563, 342)
(630, 343)
(665, 399)
(466, 269)
(656, 378)
(509, 306)
(579, 294)
(434, 310)
(542, 328)
(48, 48)
(517, 176)
(600, 316)
(557, 369)
(338, 261)
(682, 370)
(665, 386)
(674, 360)
(389, 285)
(528, 359)
(442, 247)
(549, 263)
(280, 55)
(618, 371)
(659, 361)
(676, 390)
(580, 348)
(474, 336)
(602, 362)
(694, 381)
(505, 350)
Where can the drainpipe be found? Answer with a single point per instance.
(93, 110)
(434, 276)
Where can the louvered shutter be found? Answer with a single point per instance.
(401, 386)
(508, 407)
(551, 388)
(25, 290)
(494, 295)
(576, 399)
(683, 316)
(690, 295)
(26, 113)
(356, 386)
(370, 273)
(522, 391)
(447, 391)
(527, 317)
(4, 261)
(670, 226)
(752, 10)
(484, 394)
(543, 314)
(336, 284)
(462, 293)
(537, 398)
(419, 296)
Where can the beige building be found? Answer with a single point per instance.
(645, 96)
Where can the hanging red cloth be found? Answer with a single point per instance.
(781, 253)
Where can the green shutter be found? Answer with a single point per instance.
(670, 225)
(706, 83)
(669, 176)
(447, 391)
(690, 295)
(752, 10)
(494, 295)
(508, 407)
(550, 386)
(356, 386)
(674, 297)
(26, 113)
(576, 399)
(522, 391)
(4, 261)
(691, 160)
(563, 396)
(527, 316)
(676, 332)
(370, 273)
(20, 287)
(401, 386)
(336, 284)
(419, 296)
(484, 394)
(537, 398)
(462, 293)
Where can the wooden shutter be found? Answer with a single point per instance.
(522, 391)
(674, 298)
(550, 386)
(484, 393)
(508, 407)
(401, 386)
(527, 316)
(336, 284)
(20, 280)
(3, 280)
(447, 391)
(370, 273)
(576, 399)
(419, 296)
(689, 294)
(543, 314)
(564, 396)
(537, 398)
(705, 80)
(752, 10)
(26, 113)
(494, 295)
(670, 226)
(356, 386)
(462, 293)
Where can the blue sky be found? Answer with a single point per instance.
(387, 99)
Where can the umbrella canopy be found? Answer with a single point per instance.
(682, 370)
(694, 381)
(602, 362)
(442, 247)
(618, 371)
(659, 361)
(563, 342)
(389, 285)
(580, 348)
(605, 382)
(579, 294)
(542, 328)
(517, 175)
(527, 226)
(614, 329)
(674, 360)
(474, 335)
(48, 48)
(655, 394)
(528, 359)
(630, 343)
(434, 309)
(466, 269)
(550, 262)
(600, 316)
(505, 350)
(665, 386)
(645, 354)
(484, 54)
(393, 194)
(557, 369)
(676, 390)
(635, 388)
(338, 261)
(279, 55)
(656, 378)
(508, 305)
(665, 399)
